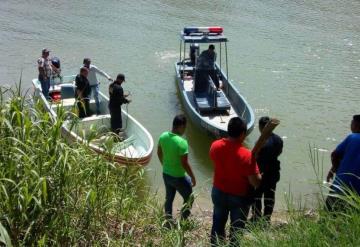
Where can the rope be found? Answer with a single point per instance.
(127, 112)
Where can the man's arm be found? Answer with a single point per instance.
(335, 161)
(99, 71)
(185, 164)
(255, 180)
(160, 154)
(41, 69)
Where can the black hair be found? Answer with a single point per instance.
(356, 118)
(263, 121)
(179, 120)
(211, 47)
(236, 127)
(86, 60)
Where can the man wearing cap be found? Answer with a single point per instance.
(45, 71)
(206, 65)
(117, 98)
(345, 161)
(94, 83)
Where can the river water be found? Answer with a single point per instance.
(295, 60)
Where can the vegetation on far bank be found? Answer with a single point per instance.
(56, 193)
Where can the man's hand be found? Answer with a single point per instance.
(110, 79)
(330, 176)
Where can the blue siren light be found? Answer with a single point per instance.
(191, 30)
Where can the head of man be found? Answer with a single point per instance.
(179, 124)
(84, 71)
(237, 129)
(120, 78)
(263, 121)
(45, 53)
(355, 124)
(87, 62)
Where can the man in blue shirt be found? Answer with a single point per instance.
(345, 161)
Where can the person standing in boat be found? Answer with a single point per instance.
(94, 83)
(46, 69)
(345, 161)
(117, 98)
(205, 65)
(235, 175)
(82, 93)
(178, 176)
(269, 166)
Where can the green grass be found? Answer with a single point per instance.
(56, 193)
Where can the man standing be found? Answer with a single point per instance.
(45, 71)
(269, 166)
(82, 93)
(345, 161)
(94, 83)
(206, 65)
(173, 155)
(117, 98)
(235, 173)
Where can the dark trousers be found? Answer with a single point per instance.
(116, 119)
(225, 204)
(214, 77)
(45, 86)
(84, 108)
(266, 192)
(181, 185)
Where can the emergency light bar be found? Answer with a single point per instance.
(191, 30)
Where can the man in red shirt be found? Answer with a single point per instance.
(235, 173)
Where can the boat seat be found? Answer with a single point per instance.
(223, 103)
(208, 99)
(67, 91)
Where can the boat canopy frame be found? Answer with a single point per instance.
(203, 38)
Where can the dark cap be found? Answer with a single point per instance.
(356, 118)
(45, 51)
(120, 77)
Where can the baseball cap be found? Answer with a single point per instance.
(45, 50)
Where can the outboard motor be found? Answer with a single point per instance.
(194, 53)
(56, 62)
(56, 77)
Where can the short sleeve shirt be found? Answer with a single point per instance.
(348, 172)
(233, 164)
(45, 63)
(173, 148)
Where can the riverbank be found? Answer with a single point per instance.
(53, 192)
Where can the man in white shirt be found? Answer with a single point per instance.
(94, 83)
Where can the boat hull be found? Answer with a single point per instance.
(141, 150)
(239, 105)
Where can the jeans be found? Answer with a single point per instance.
(95, 92)
(45, 86)
(181, 185)
(225, 204)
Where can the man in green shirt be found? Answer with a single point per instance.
(173, 155)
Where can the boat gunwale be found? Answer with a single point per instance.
(75, 137)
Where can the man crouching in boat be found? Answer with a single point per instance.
(82, 93)
(117, 98)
